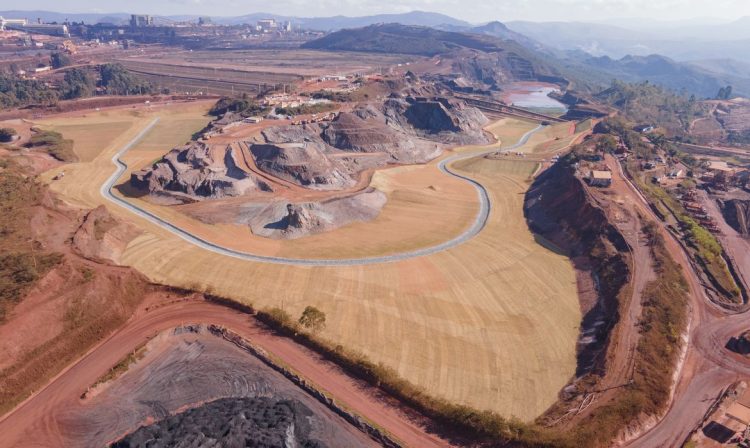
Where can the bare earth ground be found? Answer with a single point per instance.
(492, 323)
(295, 62)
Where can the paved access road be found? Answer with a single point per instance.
(479, 222)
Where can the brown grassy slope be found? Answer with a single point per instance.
(56, 304)
(22, 259)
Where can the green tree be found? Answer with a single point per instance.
(313, 319)
(78, 83)
(606, 143)
(59, 60)
(119, 81)
(725, 93)
(7, 134)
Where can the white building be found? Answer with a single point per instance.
(266, 25)
(11, 22)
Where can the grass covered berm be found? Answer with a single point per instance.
(54, 144)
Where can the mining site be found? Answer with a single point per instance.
(398, 230)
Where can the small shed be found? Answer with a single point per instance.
(600, 178)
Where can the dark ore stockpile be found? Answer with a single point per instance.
(230, 422)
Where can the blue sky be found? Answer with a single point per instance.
(470, 10)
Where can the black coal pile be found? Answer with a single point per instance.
(230, 422)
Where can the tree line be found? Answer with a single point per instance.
(111, 78)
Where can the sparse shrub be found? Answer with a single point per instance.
(59, 60)
(7, 135)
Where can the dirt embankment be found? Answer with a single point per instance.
(737, 214)
(559, 209)
(60, 294)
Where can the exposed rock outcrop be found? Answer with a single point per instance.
(327, 156)
(198, 171)
(438, 119)
(304, 164)
(323, 156)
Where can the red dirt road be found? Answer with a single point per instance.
(38, 416)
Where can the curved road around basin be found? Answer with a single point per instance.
(479, 222)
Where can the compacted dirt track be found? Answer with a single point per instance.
(40, 415)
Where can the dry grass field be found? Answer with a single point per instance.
(492, 323)
(87, 145)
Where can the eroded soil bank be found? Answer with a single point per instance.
(558, 209)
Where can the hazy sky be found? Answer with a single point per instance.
(470, 10)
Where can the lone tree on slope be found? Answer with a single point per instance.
(313, 319)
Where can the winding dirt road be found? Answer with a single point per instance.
(40, 414)
(709, 367)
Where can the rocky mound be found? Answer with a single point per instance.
(304, 164)
(230, 422)
(330, 156)
(439, 119)
(737, 214)
(288, 221)
(365, 130)
(400, 131)
(198, 171)
(324, 156)
(102, 237)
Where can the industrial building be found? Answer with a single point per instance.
(10, 23)
(141, 20)
(267, 25)
(49, 29)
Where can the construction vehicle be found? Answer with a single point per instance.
(69, 47)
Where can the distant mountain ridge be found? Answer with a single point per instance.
(685, 42)
(522, 58)
(404, 39)
(484, 59)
